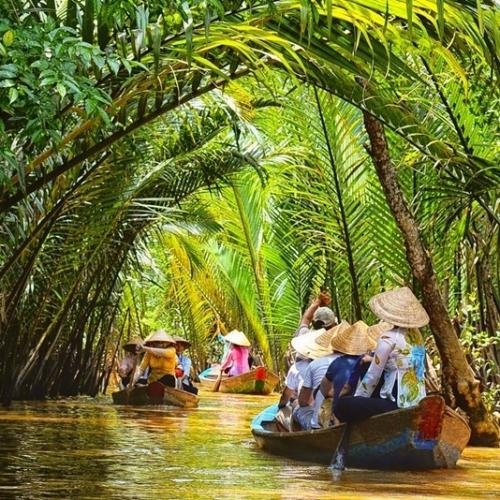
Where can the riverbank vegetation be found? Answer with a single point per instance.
(191, 164)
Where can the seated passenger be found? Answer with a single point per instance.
(184, 366)
(400, 355)
(130, 362)
(236, 360)
(160, 358)
(315, 345)
(293, 384)
(354, 343)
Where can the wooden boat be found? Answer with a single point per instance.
(256, 381)
(209, 376)
(428, 436)
(153, 394)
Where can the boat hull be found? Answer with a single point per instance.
(247, 383)
(141, 396)
(428, 436)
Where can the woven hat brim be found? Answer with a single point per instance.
(306, 345)
(181, 340)
(160, 336)
(324, 340)
(353, 340)
(409, 315)
(237, 338)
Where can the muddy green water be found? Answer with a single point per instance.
(87, 448)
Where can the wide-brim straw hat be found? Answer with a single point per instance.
(237, 338)
(181, 340)
(160, 336)
(375, 331)
(399, 307)
(133, 342)
(306, 345)
(324, 340)
(353, 340)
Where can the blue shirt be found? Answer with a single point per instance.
(185, 362)
(339, 372)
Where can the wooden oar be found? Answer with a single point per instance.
(339, 457)
(217, 383)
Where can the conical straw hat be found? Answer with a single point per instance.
(306, 345)
(237, 338)
(399, 307)
(160, 336)
(181, 340)
(324, 339)
(375, 331)
(134, 341)
(353, 340)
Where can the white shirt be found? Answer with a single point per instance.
(400, 355)
(295, 376)
(317, 369)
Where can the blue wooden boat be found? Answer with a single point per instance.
(428, 436)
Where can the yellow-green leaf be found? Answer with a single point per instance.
(8, 38)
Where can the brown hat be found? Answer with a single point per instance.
(132, 343)
(399, 307)
(325, 339)
(353, 340)
(181, 340)
(375, 331)
(160, 336)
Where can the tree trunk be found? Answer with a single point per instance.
(461, 387)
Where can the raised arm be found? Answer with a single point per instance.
(323, 299)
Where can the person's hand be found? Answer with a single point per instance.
(366, 358)
(324, 298)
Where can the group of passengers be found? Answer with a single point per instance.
(163, 360)
(365, 370)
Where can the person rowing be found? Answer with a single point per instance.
(236, 360)
(160, 358)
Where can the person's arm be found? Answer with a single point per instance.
(227, 362)
(138, 372)
(326, 388)
(323, 299)
(285, 397)
(370, 380)
(305, 396)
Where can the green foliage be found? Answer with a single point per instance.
(480, 348)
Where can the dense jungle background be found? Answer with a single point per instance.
(196, 165)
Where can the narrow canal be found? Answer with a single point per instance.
(85, 448)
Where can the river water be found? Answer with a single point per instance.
(88, 448)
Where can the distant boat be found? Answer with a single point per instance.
(257, 381)
(428, 436)
(154, 394)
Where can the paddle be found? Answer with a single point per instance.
(337, 465)
(217, 382)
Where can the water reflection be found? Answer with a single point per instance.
(92, 449)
